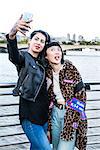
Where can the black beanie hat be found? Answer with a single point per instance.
(53, 44)
(43, 32)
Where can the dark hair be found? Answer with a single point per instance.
(55, 44)
(43, 32)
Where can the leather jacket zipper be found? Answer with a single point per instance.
(40, 84)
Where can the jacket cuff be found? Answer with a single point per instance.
(79, 87)
(11, 40)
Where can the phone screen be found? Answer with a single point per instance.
(27, 17)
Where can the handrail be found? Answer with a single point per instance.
(7, 85)
(10, 85)
(16, 124)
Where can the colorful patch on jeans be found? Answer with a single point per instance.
(51, 105)
(75, 125)
(83, 115)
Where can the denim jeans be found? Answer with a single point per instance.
(57, 125)
(36, 135)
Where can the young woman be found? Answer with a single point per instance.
(67, 95)
(31, 85)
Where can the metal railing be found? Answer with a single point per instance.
(11, 134)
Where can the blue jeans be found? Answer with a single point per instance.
(57, 126)
(36, 135)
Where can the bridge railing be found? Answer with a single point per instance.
(11, 134)
(93, 114)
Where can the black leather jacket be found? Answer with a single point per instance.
(31, 76)
(30, 79)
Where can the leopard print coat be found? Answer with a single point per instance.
(71, 85)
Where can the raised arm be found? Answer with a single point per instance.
(14, 56)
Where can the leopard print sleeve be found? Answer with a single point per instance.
(80, 93)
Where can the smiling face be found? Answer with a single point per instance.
(37, 44)
(54, 55)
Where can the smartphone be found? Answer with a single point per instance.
(27, 17)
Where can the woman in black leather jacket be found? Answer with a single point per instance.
(31, 85)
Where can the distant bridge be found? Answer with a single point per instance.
(76, 47)
(64, 47)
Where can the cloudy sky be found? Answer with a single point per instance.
(58, 17)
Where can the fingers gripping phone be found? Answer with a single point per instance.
(27, 17)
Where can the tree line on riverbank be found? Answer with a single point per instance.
(84, 42)
(22, 42)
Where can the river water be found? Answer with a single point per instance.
(87, 63)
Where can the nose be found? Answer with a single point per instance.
(57, 51)
(38, 42)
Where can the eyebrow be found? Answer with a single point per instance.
(37, 37)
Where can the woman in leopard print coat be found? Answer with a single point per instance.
(74, 128)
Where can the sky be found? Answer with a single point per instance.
(57, 17)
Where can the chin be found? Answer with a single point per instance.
(56, 63)
(37, 51)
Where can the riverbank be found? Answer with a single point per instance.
(3, 47)
(64, 46)
(19, 45)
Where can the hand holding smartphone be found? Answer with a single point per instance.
(27, 17)
(21, 26)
